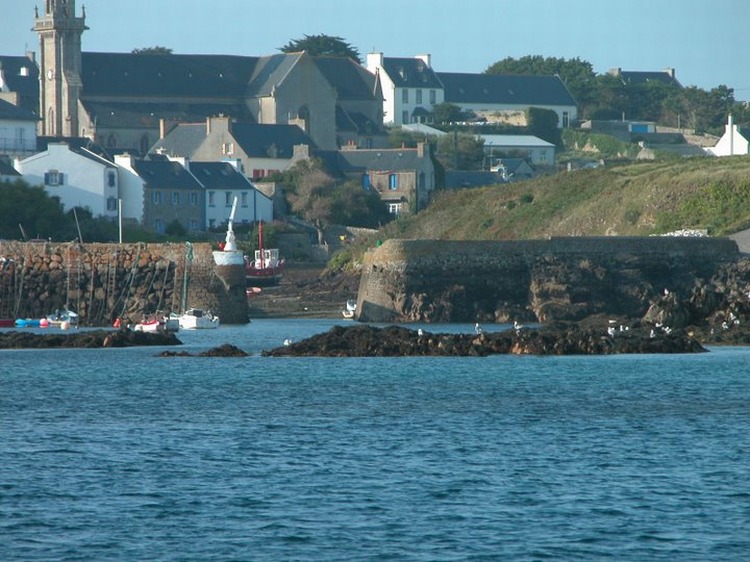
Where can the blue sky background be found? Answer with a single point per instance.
(704, 40)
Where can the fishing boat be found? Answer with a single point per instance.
(267, 268)
(7, 322)
(196, 319)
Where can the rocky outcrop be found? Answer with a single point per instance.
(225, 350)
(85, 339)
(557, 339)
(668, 280)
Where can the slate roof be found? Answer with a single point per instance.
(410, 73)
(270, 71)
(10, 112)
(508, 89)
(351, 80)
(342, 162)
(26, 86)
(7, 169)
(140, 115)
(74, 143)
(219, 175)
(256, 140)
(638, 77)
(259, 140)
(164, 174)
(183, 140)
(464, 178)
(355, 121)
(145, 75)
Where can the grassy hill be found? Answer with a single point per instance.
(631, 199)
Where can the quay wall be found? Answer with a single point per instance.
(102, 282)
(537, 280)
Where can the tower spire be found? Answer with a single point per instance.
(59, 32)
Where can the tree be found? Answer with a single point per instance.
(460, 151)
(542, 123)
(322, 45)
(152, 51)
(447, 112)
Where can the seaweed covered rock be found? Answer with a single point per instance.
(85, 339)
(557, 339)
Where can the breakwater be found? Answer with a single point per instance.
(102, 282)
(533, 280)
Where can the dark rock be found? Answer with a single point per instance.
(85, 339)
(556, 339)
(225, 350)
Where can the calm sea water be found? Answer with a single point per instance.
(118, 454)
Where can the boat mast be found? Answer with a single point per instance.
(260, 245)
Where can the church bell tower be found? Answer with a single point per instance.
(60, 84)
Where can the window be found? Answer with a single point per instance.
(175, 198)
(212, 223)
(194, 224)
(565, 120)
(405, 96)
(394, 208)
(156, 197)
(433, 97)
(158, 226)
(211, 195)
(193, 198)
(419, 97)
(112, 179)
(111, 204)
(243, 198)
(227, 148)
(392, 182)
(405, 117)
(53, 177)
(228, 198)
(257, 174)
(366, 183)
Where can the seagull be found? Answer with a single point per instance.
(420, 332)
(477, 328)
(287, 342)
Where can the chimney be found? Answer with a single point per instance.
(31, 55)
(670, 71)
(374, 61)
(162, 128)
(730, 132)
(427, 59)
(208, 126)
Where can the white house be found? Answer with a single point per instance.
(537, 151)
(734, 141)
(223, 182)
(77, 176)
(410, 87)
(17, 129)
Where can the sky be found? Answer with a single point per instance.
(703, 40)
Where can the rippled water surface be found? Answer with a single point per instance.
(118, 454)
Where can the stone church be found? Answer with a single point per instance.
(119, 99)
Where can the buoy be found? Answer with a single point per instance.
(44, 323)
(117, 322)
(65, 325)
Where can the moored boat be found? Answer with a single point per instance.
(157, 323)
(267, 268)
(63, 319)
(196, 319)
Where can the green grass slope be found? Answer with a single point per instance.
(626, 200)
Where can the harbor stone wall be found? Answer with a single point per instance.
(531, 280)
(102, 282)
